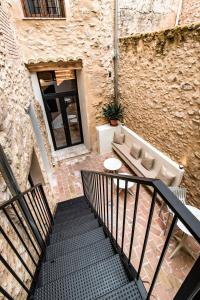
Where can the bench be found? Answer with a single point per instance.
(162, 168)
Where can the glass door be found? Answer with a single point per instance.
(61, 103)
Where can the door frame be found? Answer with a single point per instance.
(64, 116)
(66, 126)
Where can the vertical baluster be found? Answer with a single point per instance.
(8, 267)
(111, 199)
(162, 256)
(100, 197)
(19, 235)
(46, 203)
(43, 210)
(39, 209)
(35, 223)
(124, 214)
(147, 232)
(107, 201)
(95, 194)
(25, 229)
(5, 293)
(15, 251)
(35, 210)
(134, 220)
(103, 197)
(117, 210)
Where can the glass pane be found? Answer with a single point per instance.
(73, 120)
(65, 81)
(60, 81)
(53, 106)
(47, 82)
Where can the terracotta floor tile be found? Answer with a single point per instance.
(174, 270)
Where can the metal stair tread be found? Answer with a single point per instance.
(76, 230)
(70, 216)
(71, 223)
(71, 202)
(89, 283)
(71, 210)
(79, 241)
(74, 261)
(129, 291)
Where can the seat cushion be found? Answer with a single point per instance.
(135, 151)
(118, 138)
(147, 161)
(166, 176)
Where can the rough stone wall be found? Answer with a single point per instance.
(160, 90)
(17, 139)
(190, 12)
(87, 35)
(138, 16)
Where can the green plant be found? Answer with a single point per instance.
(113, 111)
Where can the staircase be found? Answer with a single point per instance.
(80, 262)
(79, 253)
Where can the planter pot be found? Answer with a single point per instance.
(113, 122)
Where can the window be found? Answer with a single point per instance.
(44, 8)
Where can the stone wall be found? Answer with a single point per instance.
(140, 16)
(85, 34)
(190, 12)
(160, 90)
(17, 139)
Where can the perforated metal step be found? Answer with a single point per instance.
(71, 210)
(67, 216)
(76, 230)
(75, 261)
(69, 224)
(79, 241)
(89, 283)
(72, 202)
(129, 291)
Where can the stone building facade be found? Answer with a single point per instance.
(147, 16)
(85, 35)
(162, 99)
(190, 12)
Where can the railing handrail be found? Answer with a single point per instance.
(6, 203)
(131, 178)
(186, 217)
(98, 189)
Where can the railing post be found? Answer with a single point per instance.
(46, 203)
(191, 285)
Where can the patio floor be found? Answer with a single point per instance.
(174, 270)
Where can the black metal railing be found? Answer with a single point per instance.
(103, 190)
(26, 222)
(44, 8)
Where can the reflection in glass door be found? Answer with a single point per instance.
(54, 115)
(61, 103)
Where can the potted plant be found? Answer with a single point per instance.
(113, 112)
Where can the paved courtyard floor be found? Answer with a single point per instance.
(173, 270)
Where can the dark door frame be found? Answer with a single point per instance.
(64, 115)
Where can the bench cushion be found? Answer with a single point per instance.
(134, 164)
(135, 151)
(118, 138)
(167, 177)
(147, 161)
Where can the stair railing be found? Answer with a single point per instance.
(26, 222)
(102, 191)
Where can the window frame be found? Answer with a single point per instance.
(44, 13)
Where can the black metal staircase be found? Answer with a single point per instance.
(78, 253)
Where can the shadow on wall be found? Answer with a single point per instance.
(35, 173)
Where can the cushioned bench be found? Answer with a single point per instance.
(149, 161)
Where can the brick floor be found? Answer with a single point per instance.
(174, 270)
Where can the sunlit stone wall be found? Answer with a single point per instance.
(160, 89)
